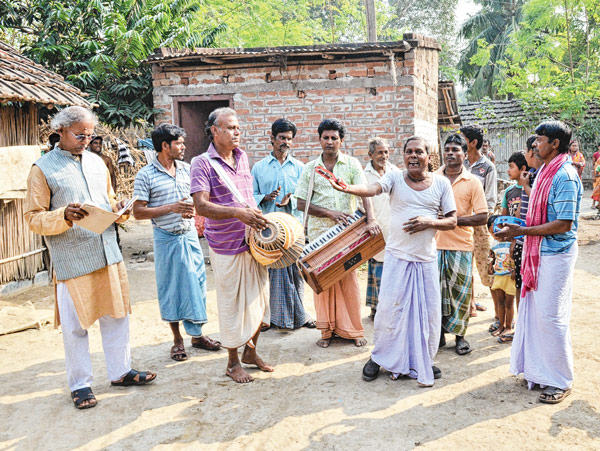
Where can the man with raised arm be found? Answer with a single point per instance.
(408, 320)
(221, 187)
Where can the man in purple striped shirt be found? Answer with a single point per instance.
(242, 283)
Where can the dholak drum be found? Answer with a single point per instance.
(280, 244)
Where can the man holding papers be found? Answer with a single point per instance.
(162, 189)
(90, 277)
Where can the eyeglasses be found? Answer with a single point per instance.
(82, 137)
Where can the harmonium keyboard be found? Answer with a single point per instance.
(339, 250)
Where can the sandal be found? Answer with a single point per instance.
(554, 395)
(129, 379)
(81, 395)
(310, 324)
(462, 347)
(506, 338)
(206, 343)
(494, 326)
(178, 353)
(480, 307)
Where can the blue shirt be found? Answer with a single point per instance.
(268, 174)
(156, 186)
(564, 202)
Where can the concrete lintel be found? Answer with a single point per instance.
(283, 85)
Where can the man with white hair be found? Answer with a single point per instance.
(89, 274)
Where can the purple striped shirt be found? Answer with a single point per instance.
(224, 236)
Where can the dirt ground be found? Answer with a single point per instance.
(315, 399)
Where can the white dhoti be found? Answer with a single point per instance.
(115, 342)
(541, 347)
(409, 318)
(242, 297)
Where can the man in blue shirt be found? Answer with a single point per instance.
(275, 179)
(541, 347)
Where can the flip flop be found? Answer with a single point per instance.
(506, 338)
(480, 307)
(553, 395)
(494, 326)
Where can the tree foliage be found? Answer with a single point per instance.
(99, 46)
(488, 33)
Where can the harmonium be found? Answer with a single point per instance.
(339, 250)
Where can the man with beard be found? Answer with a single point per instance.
(275, 179)
(455, 247)
(379, 152)
(163, 188)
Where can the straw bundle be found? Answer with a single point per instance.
(18, 125)
(16, 240)
(280, 244)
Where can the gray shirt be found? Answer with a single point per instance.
(485, 171)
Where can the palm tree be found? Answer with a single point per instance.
(494, 23)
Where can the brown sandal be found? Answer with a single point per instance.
(178, 353)
(205, 342)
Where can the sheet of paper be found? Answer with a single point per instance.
(99, 219)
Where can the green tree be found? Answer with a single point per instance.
(490, 30)
(100, 46)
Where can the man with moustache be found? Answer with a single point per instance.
(221, 187)
(89, 274)
(455, 247)
(338, 308)
(379, 152)
(408, 320)
(162, 189)
(275, 179)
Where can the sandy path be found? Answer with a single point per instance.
(315, 399)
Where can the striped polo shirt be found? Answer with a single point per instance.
(224, 236)
(156, 186)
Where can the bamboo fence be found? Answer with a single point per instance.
(18, 125)
(16, 241)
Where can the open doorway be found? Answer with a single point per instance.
(191, 114)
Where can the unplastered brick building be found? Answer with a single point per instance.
(387, 89)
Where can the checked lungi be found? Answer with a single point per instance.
(287, 294)
(456, 283)
(374, 272)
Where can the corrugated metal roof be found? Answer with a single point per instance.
(222, 54)
(22, 80)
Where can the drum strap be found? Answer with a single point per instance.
(226, 179)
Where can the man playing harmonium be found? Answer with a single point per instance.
(337, 308)
(408, 320)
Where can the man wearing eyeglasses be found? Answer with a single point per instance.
(89, 274)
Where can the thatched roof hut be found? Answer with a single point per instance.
(24, 87)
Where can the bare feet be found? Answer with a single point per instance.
(324, 342)
(498, 331)
(359, 342)
(250, 357)
(238, 374)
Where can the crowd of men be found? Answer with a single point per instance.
(437, 226)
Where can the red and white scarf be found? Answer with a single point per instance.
(537, 214)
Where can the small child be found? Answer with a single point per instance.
(511, 206)
(501, 266)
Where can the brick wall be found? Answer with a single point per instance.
(361, 94)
